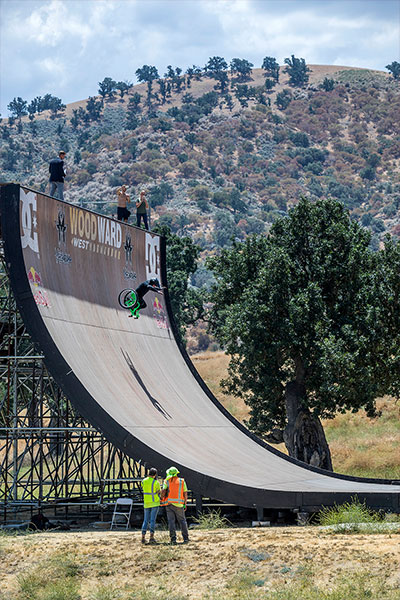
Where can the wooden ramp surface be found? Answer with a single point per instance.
(129, 377)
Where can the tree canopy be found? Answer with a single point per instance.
(394, 69)
(297, 70)
(18, 107)
(107, 87)
(310, 317)
(182, 256)
(271, 67)
(283, 99)
(241, 67)
(147, 74)
(215, 66)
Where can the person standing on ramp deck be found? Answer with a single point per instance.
(123, 213)
(141, 210)
(57, 175)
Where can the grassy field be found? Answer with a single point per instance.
(359, 445)
(226, 564)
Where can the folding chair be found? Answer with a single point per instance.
(122, 513)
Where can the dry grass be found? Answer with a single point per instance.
(228, 564)
(367, 447)
(359, 445)
(212, 367)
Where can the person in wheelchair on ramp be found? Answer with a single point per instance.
(134, 300)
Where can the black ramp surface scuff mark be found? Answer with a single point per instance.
(140, 381)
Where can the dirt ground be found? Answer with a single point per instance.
(207, 565)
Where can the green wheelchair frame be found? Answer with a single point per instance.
(128, 299)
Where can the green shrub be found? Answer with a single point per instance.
(300, 139)
(203, 204)
(189, 169)
(212, 520)
(91, 168)
(356, 517)
(368, 173)
(349, 512)
(201, 192)
(221, 198)
(328, 84)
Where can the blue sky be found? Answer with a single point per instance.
(65, 47)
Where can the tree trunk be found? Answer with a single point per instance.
(304, 435)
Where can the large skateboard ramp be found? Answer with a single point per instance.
(130, 378)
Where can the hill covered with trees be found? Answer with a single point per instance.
(224, 150)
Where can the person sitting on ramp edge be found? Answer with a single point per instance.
(150, 285)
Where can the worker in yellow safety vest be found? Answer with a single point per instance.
(174, 498)
(151, 501)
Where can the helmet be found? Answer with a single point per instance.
(154, 281)
(172, 472)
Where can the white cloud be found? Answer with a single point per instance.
(66, 47)
(53, 66)
(304, 32)
(49, 25)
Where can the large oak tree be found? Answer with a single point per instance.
(310, 317)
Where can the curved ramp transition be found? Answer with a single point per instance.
(129, 378)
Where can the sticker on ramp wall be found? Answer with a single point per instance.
(94, 233)
(39, 294)
(159, 314)
(129, 274)
(152, 253)
(29, 236)
(62, 257)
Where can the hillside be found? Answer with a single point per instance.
(227, 164)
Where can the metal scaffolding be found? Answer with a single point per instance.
(49, 456)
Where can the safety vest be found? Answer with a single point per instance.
(150, 495)
(175, 492)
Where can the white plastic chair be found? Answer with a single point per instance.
(122, 513)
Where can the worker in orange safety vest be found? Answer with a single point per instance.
(174, 498)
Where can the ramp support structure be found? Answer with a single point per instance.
(49, 456)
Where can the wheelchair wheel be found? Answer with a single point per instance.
(127, 298)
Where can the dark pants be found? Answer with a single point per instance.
(140, 303)
(123, 214)
(139, 217)
(178, 513)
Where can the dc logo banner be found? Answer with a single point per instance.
(29, 236)
(152, 256)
